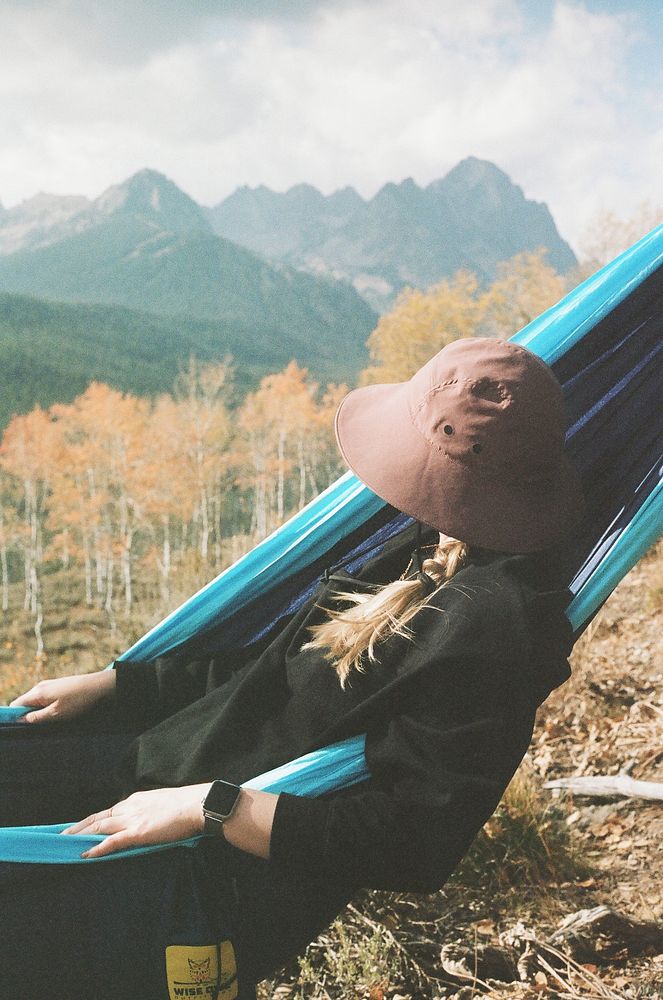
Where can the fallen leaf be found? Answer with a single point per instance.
(484, 927)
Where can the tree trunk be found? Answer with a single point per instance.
(126, 571)
(37, 612)
(99, 566)
(216, 507)
(204, 524)
(164, 562)
(302, 473)
(280, 489)
(5, 578)
(126, 537)
(27, 549)
(88, 570)
(108, 603)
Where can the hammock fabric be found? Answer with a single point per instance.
(604, 342)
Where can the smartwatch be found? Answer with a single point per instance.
(219, 804)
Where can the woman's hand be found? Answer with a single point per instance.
(66, 697)
(155, 817)
(168, 814)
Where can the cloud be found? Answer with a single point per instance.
(360, 92)
(128, 31)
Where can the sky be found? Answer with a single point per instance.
(566, 96)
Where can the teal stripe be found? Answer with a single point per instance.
(555, 331)
(640, 534)
(9, 715)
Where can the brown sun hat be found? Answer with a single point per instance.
(472, 444)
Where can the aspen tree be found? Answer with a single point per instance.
(201, 394)
(420, 324)
(275, 423)
(525, 287)
(26, 452)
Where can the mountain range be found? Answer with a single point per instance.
(473, 218)
(143, 270)
(146, 245)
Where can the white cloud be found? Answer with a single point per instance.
(352, 93)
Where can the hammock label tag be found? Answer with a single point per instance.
(204, 971)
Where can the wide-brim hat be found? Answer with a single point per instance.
(472, 445)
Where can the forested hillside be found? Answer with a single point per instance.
(51, 351)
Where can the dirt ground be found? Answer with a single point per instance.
(608, 719)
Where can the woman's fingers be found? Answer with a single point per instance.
(98, 823)
(47, 714)
(31, 699)
(21, 701)
(42, 699)
(111, 827)
(116, 842)
(158, 816)
(66, 697)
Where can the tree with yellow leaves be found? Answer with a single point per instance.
(420, 324)
(525, 287)
(200, 432)
(27, 453)
(423, 322)
(275, 425)
(96, 490)
(608, 234)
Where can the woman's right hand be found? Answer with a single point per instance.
(66, 697)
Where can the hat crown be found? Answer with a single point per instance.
(491, 404)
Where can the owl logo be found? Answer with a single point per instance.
(199, 971)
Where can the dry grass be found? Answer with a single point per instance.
(525, 845)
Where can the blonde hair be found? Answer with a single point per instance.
(372, 617)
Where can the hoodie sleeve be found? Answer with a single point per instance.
(441, 764)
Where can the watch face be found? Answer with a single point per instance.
(221, 798)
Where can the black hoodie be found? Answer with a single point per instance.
(448, 716)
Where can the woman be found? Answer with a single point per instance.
(442, 661)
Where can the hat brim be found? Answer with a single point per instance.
(381, 445)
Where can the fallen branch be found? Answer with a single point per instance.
(607, 786)
(603, 933)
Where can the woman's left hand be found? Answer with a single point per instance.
(155, 817)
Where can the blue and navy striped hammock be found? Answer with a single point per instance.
(604, 342)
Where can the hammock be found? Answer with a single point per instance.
(604, 342)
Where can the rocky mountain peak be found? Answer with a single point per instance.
(49, 206)
(38, 220)
(304, 195)
(151, 194)
(472, 171)
(345, 199)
